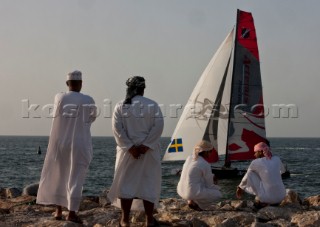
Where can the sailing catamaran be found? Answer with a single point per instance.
(226, 106)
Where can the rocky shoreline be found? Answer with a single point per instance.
(19, 209)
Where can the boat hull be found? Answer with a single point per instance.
(231, 173)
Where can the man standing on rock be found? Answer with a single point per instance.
(137, 127)
(69, 151)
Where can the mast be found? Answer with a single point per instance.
(227, 162)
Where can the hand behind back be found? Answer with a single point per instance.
(137, 151)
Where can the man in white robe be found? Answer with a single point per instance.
(137, 127)
(263, 178)
(69, 151)
(197, 182)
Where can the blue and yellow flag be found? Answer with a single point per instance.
(176, 146)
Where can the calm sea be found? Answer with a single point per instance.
(21, 165)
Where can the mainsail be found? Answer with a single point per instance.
(226, 106)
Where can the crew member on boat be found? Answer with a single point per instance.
(263, 178)
(197, 182)
(69, 151)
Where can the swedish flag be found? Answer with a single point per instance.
(176, 146)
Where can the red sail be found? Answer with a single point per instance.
(246, 118)
(246, 33)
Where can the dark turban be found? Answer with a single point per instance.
(136, 85)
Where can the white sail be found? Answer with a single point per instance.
(207, 103)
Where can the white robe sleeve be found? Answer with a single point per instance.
(119, 132)
(282, 167)
(244, 182)
(89, 110)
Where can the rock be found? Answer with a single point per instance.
(4, 211)
(227, 207)
(138, 217)
(7, 193)
(259, 224)
(12, 193)
(3, 193)
(182, 223)
(14, 203)
(228, 223)
(291, 198)
(23, 211)
(271, 213)
(103, 198)
(280, 223)
(313, 201)
(89, 202)
(198, 223)
(307, 219)
(31, 189)
(238, 204)
(222, 203)
(98, 225)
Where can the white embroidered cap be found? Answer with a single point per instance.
(75, 75)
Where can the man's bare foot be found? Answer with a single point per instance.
(239, 192)
(123, 224)
(73, 217)
(58, 213)
(192, 205)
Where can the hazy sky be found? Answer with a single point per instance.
(169, 42)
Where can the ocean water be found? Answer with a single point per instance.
(21, 165)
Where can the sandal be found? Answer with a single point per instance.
(76, 219)
(194, 206)
(258, 205)
(57, 217)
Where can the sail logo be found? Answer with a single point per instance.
(245, 80)
(201, 110)
(176, 146)
(245, 33)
